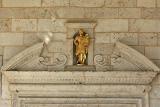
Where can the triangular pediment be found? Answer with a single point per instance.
(122, 57)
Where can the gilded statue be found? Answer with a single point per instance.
(81, 42)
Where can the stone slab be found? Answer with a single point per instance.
(154, 102)
(112, 25)
(21, 3)
(22, 25)
(31, 13)
(0, 3)
(10, 52)
(57, 46)
(126, 38)
(102, 38)
(152, 52)
(151, 13)
(70, 12)
(57, 25)
(146, 3)
(120, 3)
(101, 13)
(148, 39)
(158, 3)
(144, 25)
(53, 3)
(129, 13)
(87, 3)
(11, 39)
(1, 50)
(5, 102)
(103, 49)
(30, 38)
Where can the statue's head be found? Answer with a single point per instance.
(81, 32)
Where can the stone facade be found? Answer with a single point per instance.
(24, 24)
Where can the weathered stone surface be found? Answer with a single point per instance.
(22, 25)
(158, 3)
(155, 91)
(11, 39)
(158, 39)
(102, 38)
(103, 49)
(152, 52)
(27, 12)
(146, 3)
(129, 13)
(52, 3)
(120, 3)
(148, 39)
(5, 103)
(144, 25)
(126, 38)
(1, 50)
(139, 49)
(101, 13)
(112, 25)
(1, 63)
(21, 3)
(5, 25)
(157, 62)
(154, 102)
(59, 37)
(57, 47)
(70, 12)
(0, 3)
(10, 52)
(61, 12)
(31, 38)
(151, 13)
(38, 12)
(51, 25)
(87, 3)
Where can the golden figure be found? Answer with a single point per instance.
(81, 42)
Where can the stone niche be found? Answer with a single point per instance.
(37, 78)
(72, 29)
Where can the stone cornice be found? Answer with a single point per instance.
(51, 77)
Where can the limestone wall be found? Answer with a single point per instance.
(133, 22)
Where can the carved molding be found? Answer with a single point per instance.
(79, 102)
(31, 58)
(135, 58)
(23, 57)
(110, 77)
(50, 95)
(121, 52)
(59, 59)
